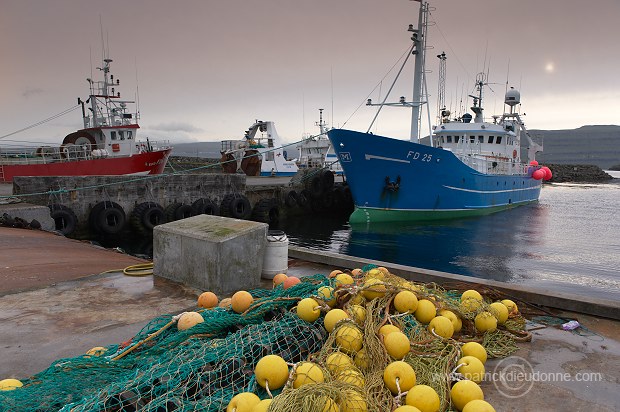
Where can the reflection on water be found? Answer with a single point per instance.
(567, 242)
(480, 246)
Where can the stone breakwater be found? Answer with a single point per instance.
(577, 173)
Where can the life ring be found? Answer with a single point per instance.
(267, 211)
(107, 217)
(65, 220)
(236, 205)
(145, 216)
(205, 206)
(514, 154)
(291, 199)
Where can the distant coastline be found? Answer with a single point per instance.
(578, 173)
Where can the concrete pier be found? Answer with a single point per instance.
(542, 298)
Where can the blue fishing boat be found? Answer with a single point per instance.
(468, 167)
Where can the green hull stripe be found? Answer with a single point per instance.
(370, 215)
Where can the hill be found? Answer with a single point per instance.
(587, 145)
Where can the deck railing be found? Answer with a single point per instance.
(66, 153)
(491, 165)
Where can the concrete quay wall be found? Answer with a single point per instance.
(82, 193)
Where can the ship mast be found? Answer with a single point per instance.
(418, 49)
(418, 36)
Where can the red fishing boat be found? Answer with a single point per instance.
(107, 145)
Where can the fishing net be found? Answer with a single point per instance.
(204, 367)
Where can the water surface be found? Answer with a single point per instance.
(569, 241)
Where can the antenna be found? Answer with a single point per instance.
(441, 93)
(507, 77)
(137, 91)
(103, 56)
(331, 73)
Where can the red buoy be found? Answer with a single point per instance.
(538, 174)
(548, 174)
(534, 163)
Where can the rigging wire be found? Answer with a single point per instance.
(64, 112)
(469, 77)
(378, 85)
(391, 87)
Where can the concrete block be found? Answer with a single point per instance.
(212, 253)
(28, 212)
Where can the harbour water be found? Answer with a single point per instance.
(569, 241)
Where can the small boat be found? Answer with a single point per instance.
(107, 145)
(317, 151)
(259, 153)
(467, 168)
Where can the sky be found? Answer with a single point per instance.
(205, 70)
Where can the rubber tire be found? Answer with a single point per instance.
(316, 186)
(291, 199)
(183, 212)
(340, 201)
(146, 216)
(328, 200)
(236, 205)
(65, 220)
(304, 198)
(107, 217)
(205, 206)
(170, 210)
(266, 211)
(327, 180)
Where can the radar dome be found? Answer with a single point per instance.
(513, 97)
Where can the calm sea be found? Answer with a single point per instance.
(569, 241)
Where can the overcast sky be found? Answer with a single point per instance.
(206, 69)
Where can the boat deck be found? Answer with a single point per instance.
(53, 308)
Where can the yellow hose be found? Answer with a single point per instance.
(143, 269)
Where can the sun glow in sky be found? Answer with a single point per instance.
(207, 69)
(550, 67)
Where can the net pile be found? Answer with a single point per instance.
(203, 368)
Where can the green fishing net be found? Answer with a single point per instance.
(202, 368)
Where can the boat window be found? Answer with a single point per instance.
(113, 135)
(480, 139)
(448, 139)
(456, 139)
(499, 139)
(129, 134)
(472, 139)
(490, 139)
(121, 134)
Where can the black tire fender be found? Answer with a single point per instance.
(147, 215)
(235, 205)
(65, 220)
(304, 197)
(327, 179)
(267, 211)
(316, 186)
(107, 217)
(291, 199)
(205, 206)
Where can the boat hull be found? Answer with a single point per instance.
(397, 180)
(148, 163)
